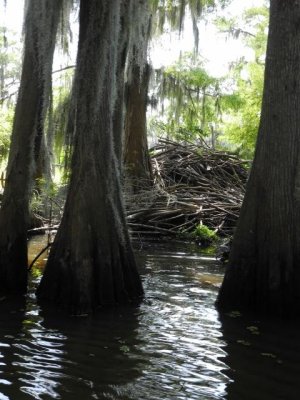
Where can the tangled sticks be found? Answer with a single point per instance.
(192, 185)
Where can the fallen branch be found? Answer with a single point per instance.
(38, 256)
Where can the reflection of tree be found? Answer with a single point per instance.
(64, 357)
(263, 358)
(100, 357)
(38, 354)
(11, 319)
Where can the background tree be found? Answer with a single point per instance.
(136, 159)
(263, 272)
(10, 68)
(137, 164)
(91, 262)
(165, 13)
(40, 31)
(223, 111)
(45, 128)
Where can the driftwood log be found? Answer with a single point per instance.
(192, 185)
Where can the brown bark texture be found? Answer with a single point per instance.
(91, 263)
(263, 274)
(118, 116)
(137, 163)
(14, 212)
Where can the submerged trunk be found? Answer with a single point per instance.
(40, 25)
(91, 262)
(264, 267)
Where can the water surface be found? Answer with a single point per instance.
(174, 346)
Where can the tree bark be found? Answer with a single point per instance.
(40, 29)
(118, 117)
(42, 150)
(91, 263)
(138, 173)
(264, 267)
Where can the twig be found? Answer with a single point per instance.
(38, 256)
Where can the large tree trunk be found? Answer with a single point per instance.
(91, 263)
(264, 267)
(40, 31)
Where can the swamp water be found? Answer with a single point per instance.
(174, 346)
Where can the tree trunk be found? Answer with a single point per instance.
(136, 156)
(91, 262)
(264, 267)
(40, 26)
(118, 117)
(138, 172)
(42, 150)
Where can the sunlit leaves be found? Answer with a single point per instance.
(240, 124)
(242, 108)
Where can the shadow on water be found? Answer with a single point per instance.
(263, 358)
(12, 312)
(47, 356)
(98, 354)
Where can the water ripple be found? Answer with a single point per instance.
(172, 347)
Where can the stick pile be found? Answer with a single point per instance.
(192, 185)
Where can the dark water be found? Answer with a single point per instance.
(174, 346)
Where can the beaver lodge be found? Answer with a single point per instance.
(193, 186)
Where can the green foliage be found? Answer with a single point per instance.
(60, 120)
(197, 106)
(36, 272)
(62, 129)
(6, 121)
(241, 121)
(44, 198)
(10, 66)
(46, 189)
(204, 234)
(192, 99)
(241, 110)
(36, 205)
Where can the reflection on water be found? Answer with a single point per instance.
(183, 339)
(264, 358)
(174, 346)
